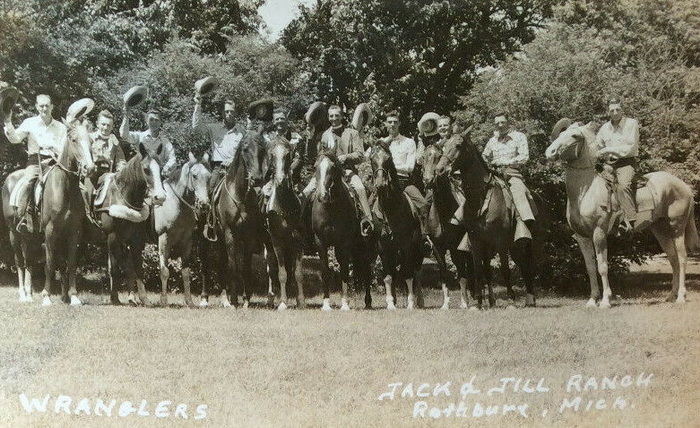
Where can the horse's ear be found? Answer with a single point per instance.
(192, 159)
(159, 150)
(142, 151)
(205, 159)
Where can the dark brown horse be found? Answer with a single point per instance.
(335, 223)
(61, 215)
(445, 235)
(400, 241)
(240, 222)
(284, 224)
(127, 195)
(491, 231)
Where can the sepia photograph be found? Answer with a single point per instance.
(349, 213)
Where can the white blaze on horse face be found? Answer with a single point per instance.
(565, 139)
(81, 133)
(157, 192)
(323, 168)
(280, 154)
(200, 176)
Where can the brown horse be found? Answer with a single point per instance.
(241, 222)
(589, 211)
(186, 195)
(490, 231)
(334, 222)
(400, 241)
(128, 192)
(61, 215)
(445, 235)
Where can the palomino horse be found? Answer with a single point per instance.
(492, 230)
(62, 212)
(186, 195)
(126, 237)
(240, 221)
(400, 242)
(284, 224)
(334, 222)
(445, 235)
(589, 215)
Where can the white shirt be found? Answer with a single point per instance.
(512, 151)
(623, 138)
(403, 153)
(167, 155)
(41, 138)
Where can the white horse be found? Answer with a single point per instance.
(176, 220)
(591, 214)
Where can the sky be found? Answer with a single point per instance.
(278, 13)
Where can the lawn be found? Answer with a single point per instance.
(258, 367)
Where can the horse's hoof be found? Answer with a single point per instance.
(163, 301)
(203, 303)
(474, 308)
(344, 306)
(74, 301)
(510, 307)
(46, 301)
(246, 304)
(282, 306)
(326, 308)
(225, 303)
(604, 304)
(301, 304)
(680, 299)
(591, 303)
(189, 303)
(463, 305)
(671, 297)
(445, 307)
(530, 301)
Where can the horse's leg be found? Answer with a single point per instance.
(465, 269)
(163, 256)
(20, 265)
(325, 275)
(137, 254)
(72, 268)
(112, 247)
(247, 272)
(49, 267)
(588, 251)
(204, 255)
(679, 242)
(186, 260)
(279, 251)
(480, 274)
(489, 281)
(505, 274)
(600, 243)
(231, 270)
(343, 256)
(439, 254)
(297, 253)
(522, 254)
(669, 247)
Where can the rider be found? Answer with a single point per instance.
(347, 145)
(284, 132)
(427, 133)
(151, 138)
(106, 151)
(506, 152)
(618, 139)
(223, 137)
(46, 138)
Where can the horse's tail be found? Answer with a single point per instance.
(692, 241)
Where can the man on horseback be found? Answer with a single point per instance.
(345, 142)
(618, 145)
(151, 138)
(506, 152)
(106, 151)
(46, 138)
(283, 132)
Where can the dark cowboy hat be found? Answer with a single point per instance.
(206, 85)
(362, 116)
(135, 96)
(79, 109)
(261, 109)
(427, 124)
(317, 114)
(561, 125)
(8, 99)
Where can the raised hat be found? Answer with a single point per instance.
(206, 85)
(79, 109)
(135, 96)
(427, 124)
(561, 125)
(8, 98)
(317, 114)
(362, 116)
(261, 109)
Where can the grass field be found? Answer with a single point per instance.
(258, 367)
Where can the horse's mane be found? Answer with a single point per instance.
(130, 175)
(174, 175)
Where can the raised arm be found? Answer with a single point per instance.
(197, 113)
(124, 133)
(14, 136)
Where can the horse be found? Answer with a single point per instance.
(240, 222)
(490, 231)
(445, 235)
(61, 214)
(335, 223)
(400, 240)
(284, 224)
(126, 196)
(186, 196)
(590, 215)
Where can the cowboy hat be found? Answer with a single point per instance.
(79, 109)
(206, 85)
(362, 116)
(561, 125)
(135, 96)
(317, 114)
(427, 124)
(8, 98)
(261, 109)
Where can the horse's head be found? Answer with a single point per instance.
(76, 152)
(254, 153)
(383, 168)
(281, 156)
(151, 171)
(451, 151)
(197, 177)
(571, 144)
(431, 157)
(328, 173)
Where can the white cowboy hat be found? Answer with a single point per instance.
(206, 85)
(79, 109)
(317, 113)
(135, 96)
(427, 124)
(362, 116)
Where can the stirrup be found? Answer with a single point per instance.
(366, 226)
(209, 233)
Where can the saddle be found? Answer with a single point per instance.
(646, 196)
